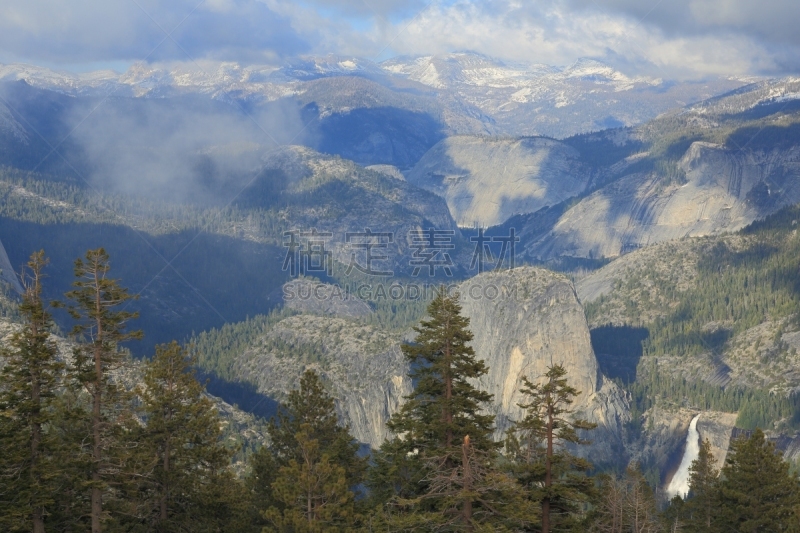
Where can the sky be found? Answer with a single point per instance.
(666, 38)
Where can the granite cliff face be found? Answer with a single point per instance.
(536, 321)
(363, 366)
(724, 190)
(523, 321)
(7, 271)
(487, 180)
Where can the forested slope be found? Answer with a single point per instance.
(709, 322)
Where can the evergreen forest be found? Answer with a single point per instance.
(95, 440)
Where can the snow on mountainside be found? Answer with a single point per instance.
(61, 81)
(471, 69)
(508, 99)
(476, 70)
(557, 102)
(762, 93)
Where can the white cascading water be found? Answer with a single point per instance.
(680, 481)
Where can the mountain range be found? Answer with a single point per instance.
(668, 206)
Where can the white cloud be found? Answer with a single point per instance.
(677, 38)
(558, 33)
(74, 31)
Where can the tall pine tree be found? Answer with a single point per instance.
(444, 409)
(757, 492)
(703, 488)
(100, 328)
(307, 440)
(311, 492)
(30, 380)
(537, 447)
(184, 438)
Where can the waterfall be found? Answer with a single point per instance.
(680, 481)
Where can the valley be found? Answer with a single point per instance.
(640, 234)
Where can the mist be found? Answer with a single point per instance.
(186, 149)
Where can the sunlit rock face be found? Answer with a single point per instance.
(724, 190)
(362, 366)
(486, 180)
(536, 321)
(523, 320)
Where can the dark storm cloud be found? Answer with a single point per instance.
(773, 21)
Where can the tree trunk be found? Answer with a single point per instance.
(36, 437)
(36, 426)
(467, 473)
(448, 395)
(165, 493)
(97, 495)
(166, 463)
(548, 470)
(97, 456)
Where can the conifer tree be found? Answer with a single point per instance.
(100, 327)
(444, 408)
(312, 492)
(310, 408)
(537, 447)
(474, 495)
(675, 516)
(757, 492)
(30, 380)
(306, 422)
(183, 435)
(703, 487)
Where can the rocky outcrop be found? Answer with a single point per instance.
(525, 320)
(7, 271)
(364, 368)
(724, 190)
(671, 263)
(487, 180)
(717, 427)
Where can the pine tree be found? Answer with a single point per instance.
(675, 516)
(757, 492)
(101, 329)
(309, 415)
(703, 486)
(312, 492)
(537, 446)
(430, 428)
(311, 408)
(475, 495)
(183, 435)
(30, 381)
